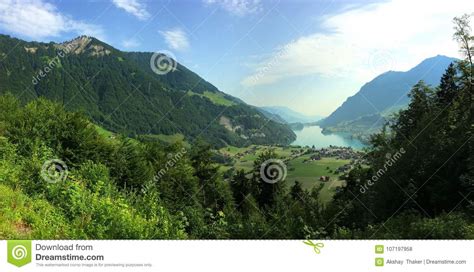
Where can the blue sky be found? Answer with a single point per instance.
(306, 55)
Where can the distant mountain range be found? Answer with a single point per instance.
(289, 115)
(120, 91)
(365, 112)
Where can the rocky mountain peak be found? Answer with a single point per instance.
(81, 45)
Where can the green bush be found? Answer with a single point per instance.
(22, 217)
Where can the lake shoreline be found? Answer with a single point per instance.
(314, 136)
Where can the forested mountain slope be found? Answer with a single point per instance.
(388, 91)
(121, 92)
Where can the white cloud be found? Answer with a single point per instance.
(39, 19)
(134, 7)
(237, 7)
(176, 39)
(364, 42)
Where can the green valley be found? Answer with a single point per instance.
(102, 144)
(300, 164)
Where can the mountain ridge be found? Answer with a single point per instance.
(291, 116)
(387, 90)
(120, 92)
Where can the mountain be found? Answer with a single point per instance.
(275, 117)
(289, 115)
(385, 94)
(120, 91)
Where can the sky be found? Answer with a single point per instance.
(308, 55)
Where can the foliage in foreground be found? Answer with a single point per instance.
(127, 189)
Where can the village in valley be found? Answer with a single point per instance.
(309, 166)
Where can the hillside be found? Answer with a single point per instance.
(119, 91)
(275, 117)
(291, 116)
(386, 93)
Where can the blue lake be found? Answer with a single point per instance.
(312, 135)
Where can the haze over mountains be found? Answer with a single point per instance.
(365, 112)
(291, 116)
(120, 92)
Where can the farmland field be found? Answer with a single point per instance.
(299, 167)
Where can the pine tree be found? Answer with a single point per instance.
(296, 191)
(448, 88)
(268, 192)
(241, 188)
